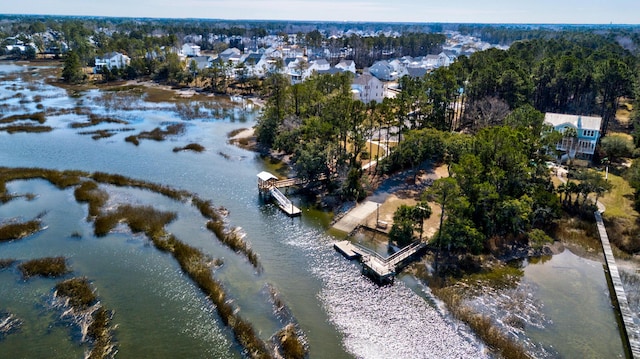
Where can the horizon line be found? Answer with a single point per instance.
(324, 21)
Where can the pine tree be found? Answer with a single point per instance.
(72, 70)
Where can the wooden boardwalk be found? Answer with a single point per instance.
(629, 325)
(382, 270)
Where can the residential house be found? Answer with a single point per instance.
(190, 50)
(398, 67)
(112, 60)
(367, 88)
(383, 71)
(431, 61)
(202, 62)
(230, 55)
(586, 130)
(347, 65)
(319, 65)
(257, 64)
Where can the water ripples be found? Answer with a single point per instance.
(380, 322)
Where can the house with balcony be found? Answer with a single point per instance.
(580, 134)
(112, 60)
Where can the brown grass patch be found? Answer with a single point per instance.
(195, 147)
(26, 128)
(50, 267)
(482, 325)
(89, 192)
(11, 231)
(96, 120)
(38, 117)
(79, 292)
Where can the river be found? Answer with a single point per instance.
(158, 310)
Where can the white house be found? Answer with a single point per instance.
(347, 65)
(431, 61)
(587, 131)
(367, 88)
(112, 60)
(319, 65)
(190, 50)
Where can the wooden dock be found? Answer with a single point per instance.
(629, 326)
(382, 270)
(269, 184)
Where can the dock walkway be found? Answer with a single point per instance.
(382, 270)
(269, 184)
(629, 325)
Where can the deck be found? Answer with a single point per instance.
(382, 270)
(628, 323)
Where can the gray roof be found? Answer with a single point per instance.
(416, 72)
(331, 71)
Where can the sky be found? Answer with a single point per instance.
(465, 11)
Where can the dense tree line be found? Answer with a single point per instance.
(581, 75)
(320, 124)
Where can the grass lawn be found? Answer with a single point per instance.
(619, 201)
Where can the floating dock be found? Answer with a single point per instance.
(382, 270)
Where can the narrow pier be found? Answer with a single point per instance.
(382, 270)
(269, 184)
(629, 326)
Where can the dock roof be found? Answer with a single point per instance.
(265, 176)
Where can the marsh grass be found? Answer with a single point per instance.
(144, 219)
(38, 117)
(11, 129)
(133, 139)
(195, 147)
(50, 267)
(100, 332)
(157, 134)
(151, 222)
(481, 324)
(12, 231)
(229, 238)
(79, 292)
(6, 263)
(122, 181)
(290, 343)
(82, 297)
(95, 120)
(90, 193)
(99, 134)
(192, 261)
(60, 179)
